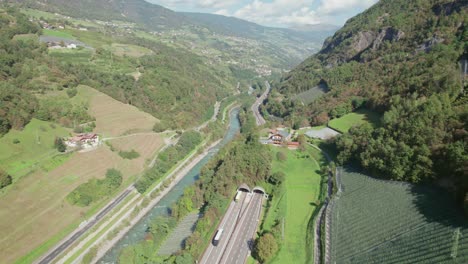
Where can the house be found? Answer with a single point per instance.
(85, 140)
(279, 136)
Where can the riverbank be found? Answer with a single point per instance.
(130, 231)
(174, 177)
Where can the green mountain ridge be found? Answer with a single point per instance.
(400, 59)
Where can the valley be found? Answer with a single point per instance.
(132, 133)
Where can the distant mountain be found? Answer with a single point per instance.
(290, 46)
(242, 28)
(138, 11)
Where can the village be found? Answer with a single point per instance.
(290, 138)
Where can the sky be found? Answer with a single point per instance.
(275, 13)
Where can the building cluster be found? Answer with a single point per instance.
(83, 141)
(280, 137)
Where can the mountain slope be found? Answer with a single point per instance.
(401, 59)
(281, 49)
(138, 11)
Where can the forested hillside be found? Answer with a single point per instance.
(403, 60)
(173, 85)
(227, 38)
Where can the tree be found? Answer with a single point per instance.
(184, 259)
(302, 142)
(5, 179)
(277, 178)
(265, 247)
(281, 156)
(59, 145)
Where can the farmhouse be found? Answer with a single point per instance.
(279, 136)
(86, 140)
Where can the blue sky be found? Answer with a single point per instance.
(278, 13)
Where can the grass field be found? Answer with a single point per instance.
(114, 118)
(72, 55)
(57, 33)
(129, 50)
(344, 123)
(33, 211)
(386, 222)
(38, 200)
(35, 146)
(295, 204)
(146, 145)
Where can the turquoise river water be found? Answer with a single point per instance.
(138, 232)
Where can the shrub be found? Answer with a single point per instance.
(265, 247)
(281, 156)
(95, 189)
(16, 141)
(129, 154)
(71, 92)
(59, 145)
(5, 179)
(160, 126)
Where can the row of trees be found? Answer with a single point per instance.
(168, 158)
(95, 189)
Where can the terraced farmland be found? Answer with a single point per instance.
(114, 118)
(377, 221)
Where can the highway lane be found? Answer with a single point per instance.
(67, 242)
(255, 107)
(241, 241)
(213, 253)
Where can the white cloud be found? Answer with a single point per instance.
(279, 12)
(343, 6)
(223, 12)
(283, 13)
(212, 4)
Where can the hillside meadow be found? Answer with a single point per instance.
(295, 203)
(38, 199)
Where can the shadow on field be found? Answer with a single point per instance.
(438, 205)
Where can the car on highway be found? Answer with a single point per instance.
(217, 237)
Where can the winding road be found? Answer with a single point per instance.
(255, 107)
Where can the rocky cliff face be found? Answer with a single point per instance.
(352, 45)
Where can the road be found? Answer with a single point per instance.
(62, 246)
(241, 240)
(214, 253)
(255, 107)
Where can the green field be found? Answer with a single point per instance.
(57, 33)
(344, 123)
(35, 146)
(129, 50)
(72, 55)
(295, 204)
(388, 222)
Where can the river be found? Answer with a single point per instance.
(138, 232)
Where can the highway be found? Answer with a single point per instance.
(255, 107)
(239, 223)
(213, 253)
(241, 241)
(63, 245)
